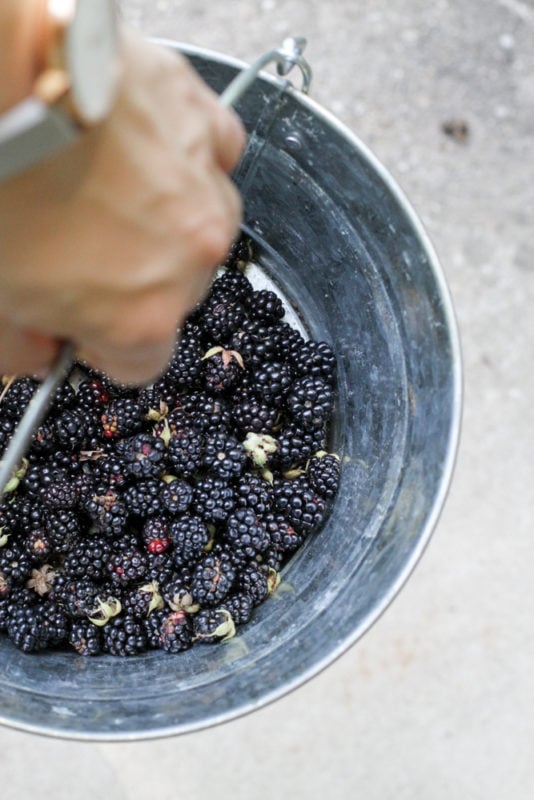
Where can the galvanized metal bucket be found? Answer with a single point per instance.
(341, 242)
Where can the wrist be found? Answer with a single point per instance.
(20, 48)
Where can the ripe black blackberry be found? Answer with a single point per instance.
(284, 538)
(7, 429)
(213, 499)
(310, 402)
(315, 359)
(15, 564)
(127, 565)
(176, 633)
(252, 414)
(324, 471)
(176, 495)
(184, 368)
(246, 534)
(255, 342)
(92, 395)
(232, 284)
(143, 455)
(271, 382)
(176, 592)
(24, 627)
(79, 596)
(143, 600)
(85, 637)
(38, 545)
(253, 491)
(189, 536)
(143, 497)
(44, 439)
(287, 341)
(296, 445)
(53, 487)
(213, 578)
(252, 579)
(185, 452)
(303, 508)
(156, 534)
(152, 627)
(265, 306)
(160, 567)
(16, 394)
(64, 528)
(124, 635)
(223, 456)
(239, 605)
(209, 412)
(240, 253)
(222, 370)
(213, 625)
(88, 558)
(71, 428)
(122, 417)
(107, 510)
(220, 319)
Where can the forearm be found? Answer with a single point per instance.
(20, 28)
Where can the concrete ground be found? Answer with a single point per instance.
(437, 700)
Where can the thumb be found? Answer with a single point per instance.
(24, 352)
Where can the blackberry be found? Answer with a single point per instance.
(287, 341)
(246, 534)
(15, 564)
(126, 566)
(232, 284)
(176, 495)
(15, 394)
(71, 428)
(271, 382)
(25, 627)
(88, 558)
(222, 370)
(283, 536)
(296, 445)
(213, 625)
(255, 342)
(220, 319)
(156, 534)
(122, 417)
(160, 566)
(324, 470)
(54, 487)
(224, 456)
(265, 306)
(124, 635)
(303, 508)
(190, 536)
(143, 497)
(240, 253)
(107, 510)
(183, 371)
(176, 633)
(7, 429)
(79, 596)
(239, 605)
(209, 412)
(185, 452)
(310, 402)
(213, 578)
(251, 414)
(143, 455)
(38, 545)
(252, 579)
(213, 499)
(63, 527)
(314, 359)
(176, 592)
(54, 622)
(143, 600)
(252, 491)
(44, 439)
(85, 637)
(152, 627)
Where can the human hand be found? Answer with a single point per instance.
(111, 243)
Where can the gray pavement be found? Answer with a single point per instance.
(436, 701)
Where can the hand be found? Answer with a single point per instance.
(111, 243)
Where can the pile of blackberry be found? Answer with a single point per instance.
(159, 518)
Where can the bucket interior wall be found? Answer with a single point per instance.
(337, 237)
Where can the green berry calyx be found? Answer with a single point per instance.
(259, 446)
